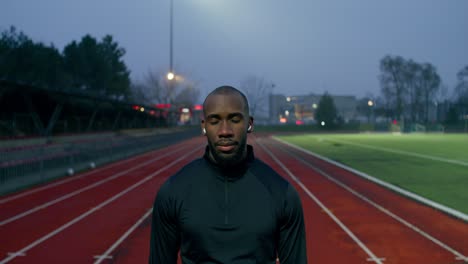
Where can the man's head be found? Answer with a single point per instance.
(226, 122)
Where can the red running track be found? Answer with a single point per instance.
(103, 216)
(384, 226)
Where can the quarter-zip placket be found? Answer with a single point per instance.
(226, 200)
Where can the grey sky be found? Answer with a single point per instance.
(302, 46)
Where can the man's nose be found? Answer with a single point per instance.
(225, 129)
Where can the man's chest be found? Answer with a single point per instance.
(229, 214)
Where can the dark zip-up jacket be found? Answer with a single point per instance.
(249, 214)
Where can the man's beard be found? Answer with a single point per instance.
(229, 159)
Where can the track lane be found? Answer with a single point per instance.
(48, 185)
(106, 224)
(18, 204)
(135, 248)
(385, 235)
(81, 188)
(425, 220)
(327, 242)
(108, 253)
(37, 225)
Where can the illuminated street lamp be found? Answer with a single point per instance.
(170, 76)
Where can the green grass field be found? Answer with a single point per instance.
(434, 166)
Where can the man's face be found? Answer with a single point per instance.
(226, 123)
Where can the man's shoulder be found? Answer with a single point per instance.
(268, 176)
(186, 174)
(280, 189)
(176, 185)
(191, 167)
(260, 167)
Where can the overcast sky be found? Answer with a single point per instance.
(303, 46)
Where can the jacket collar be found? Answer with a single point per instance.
(232, 172)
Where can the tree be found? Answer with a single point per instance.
(412, 78)
(88, 66)
(409, 87)
(430, 85)
(392, 80)
(461, 93)
(139, 93)
(156, 89)
(97, 67)
(22, 60)
(188, 95)
(117, 78)
(10, 42)
(461, 89)
(451, 117)
(257, 90)
(326, 111)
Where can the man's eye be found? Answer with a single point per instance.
(235, 120)
(213, 122)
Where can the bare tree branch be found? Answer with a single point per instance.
(257, 91)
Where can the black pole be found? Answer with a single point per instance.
(170, 36)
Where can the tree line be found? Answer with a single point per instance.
(89, 66)
(410, 89)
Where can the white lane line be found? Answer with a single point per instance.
(60, 182)
(371, 260)
(324, 208)
(102, 257)
(101, 205)
(62, 198)
(379, 207)
(443, 208)
(122, 238)
(465, 259)
(402, 152)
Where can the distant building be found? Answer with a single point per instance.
(301, 108)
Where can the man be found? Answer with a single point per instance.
(227, 207)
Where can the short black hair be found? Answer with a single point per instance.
(226, 89)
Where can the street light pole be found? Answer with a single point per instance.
(170, 75)
(371, 104)
(171, 69)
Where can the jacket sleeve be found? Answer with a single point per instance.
(165, 234)
(292, 242)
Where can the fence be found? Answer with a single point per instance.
(22, 166)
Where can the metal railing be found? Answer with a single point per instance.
(29, 165)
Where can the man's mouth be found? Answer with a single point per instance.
(225, 146)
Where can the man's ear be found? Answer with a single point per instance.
(250, 127)
(203, 127)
